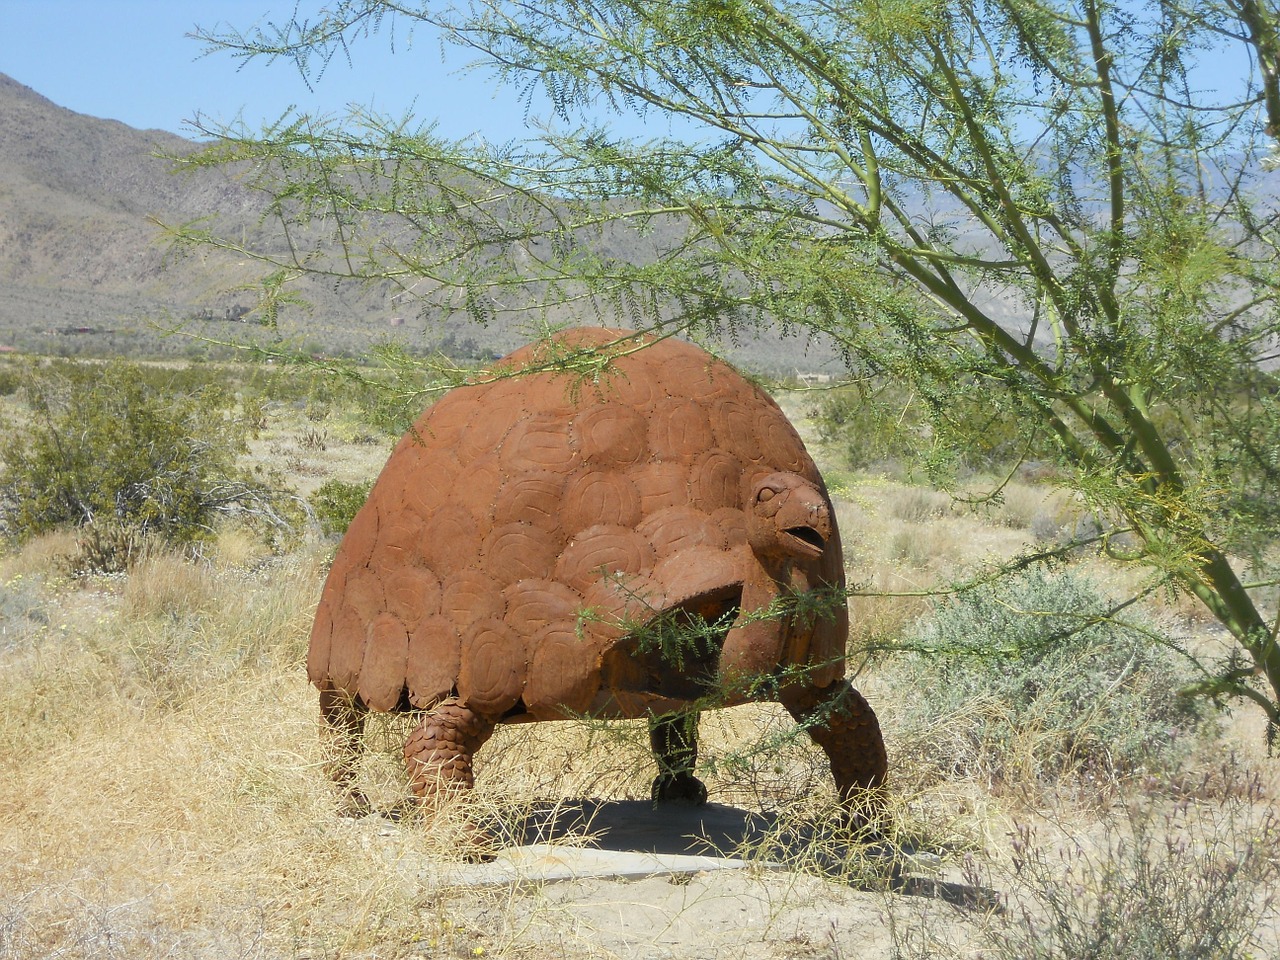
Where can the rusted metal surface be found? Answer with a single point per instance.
(526, 531)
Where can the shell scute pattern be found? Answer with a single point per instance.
(609, 435)
(511, 507)
(435, 654)
(603, 550)
(595, 496)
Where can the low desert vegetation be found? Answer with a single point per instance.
(165, 795)
(1035, 682)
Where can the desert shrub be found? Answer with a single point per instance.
(335, 503)
(107, 452)
(1030, 679)
(105, 546)
(870, 427)
(1157, 882)
(1182, 884)
(387, 397)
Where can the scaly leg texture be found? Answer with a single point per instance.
(439, 751)
(674, 739)
(343, 719)
(842, 723)
(438, 754)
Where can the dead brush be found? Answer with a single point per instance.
(883, 605)
(939, 544)
(917, 504)
(188, 815)
(1184, 882)
(1021, 504)
(41, 556)
(168, 585)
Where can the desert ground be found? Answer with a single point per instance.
(162, 792)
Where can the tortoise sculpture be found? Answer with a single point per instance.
(528, 534)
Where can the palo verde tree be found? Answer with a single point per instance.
(1045, 211)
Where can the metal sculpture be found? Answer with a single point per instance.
(535, 543)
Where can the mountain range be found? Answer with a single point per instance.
(85, 269)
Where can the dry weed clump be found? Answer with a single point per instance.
(1040, 508)
(940, 544)
(1152, 880)
(882, 609)
(929, 537)
(167, 586)
(41, 556)
(918, 504)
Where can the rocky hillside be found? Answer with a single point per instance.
(83, 264)
(84, 267)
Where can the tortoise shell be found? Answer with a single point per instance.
(527, 524)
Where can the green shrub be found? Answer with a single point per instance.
(105, 450)
(1030, 680)
(335, 503)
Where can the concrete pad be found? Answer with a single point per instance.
(548, 863)
(631, 839)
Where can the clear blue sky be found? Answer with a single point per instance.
(130, 60)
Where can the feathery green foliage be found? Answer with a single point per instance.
(1034, 208)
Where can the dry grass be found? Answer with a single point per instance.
(163, 794)
(169, 799)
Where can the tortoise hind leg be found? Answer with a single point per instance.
(674, 739)
(842, 723)
(438, 754)
(439, 750)
(343, 718)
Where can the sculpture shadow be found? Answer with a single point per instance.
(717, 830)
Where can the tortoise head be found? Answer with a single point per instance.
(788, 517)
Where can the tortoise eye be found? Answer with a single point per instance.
(765, 495)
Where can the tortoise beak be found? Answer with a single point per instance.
(805, 540)
(804, 524)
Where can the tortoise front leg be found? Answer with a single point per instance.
(754, 644)
(842, 723)
(674, 739)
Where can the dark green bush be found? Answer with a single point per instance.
(335, 503)
(1031, 680)
(105, 449)
(9, 381)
